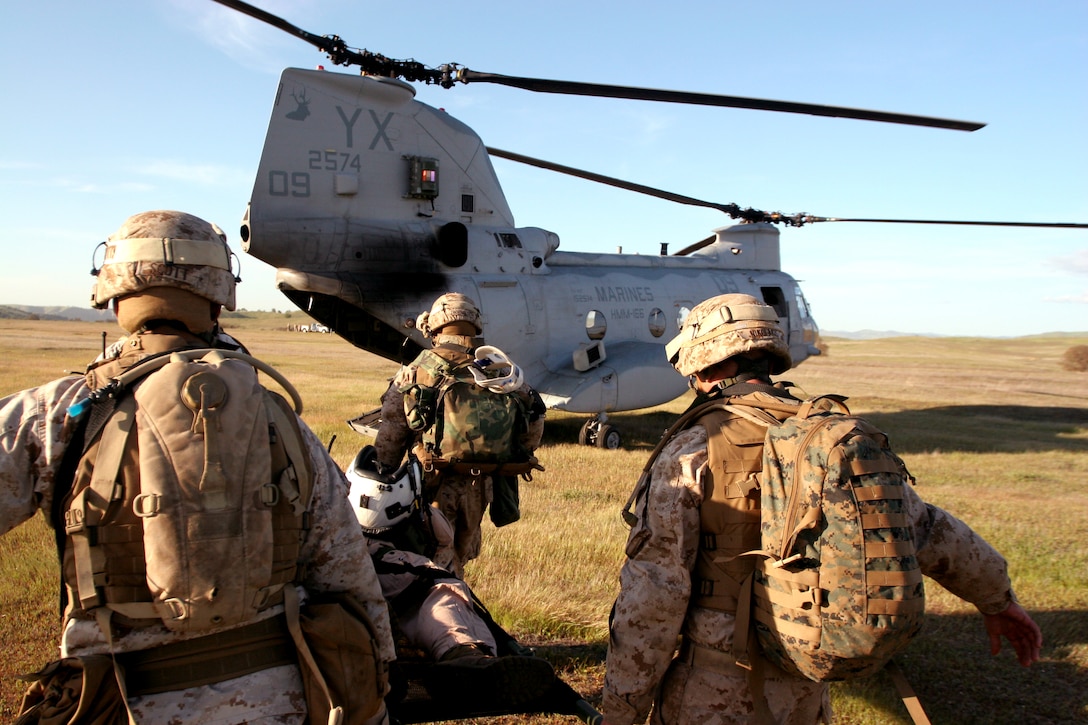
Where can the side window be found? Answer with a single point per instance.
(656, 321)
(773, 296)
(596, 325)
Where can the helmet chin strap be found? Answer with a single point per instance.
(747, 369)
(730, 382)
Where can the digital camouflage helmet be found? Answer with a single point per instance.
(724, 326)
(165, 249)
(450, 309)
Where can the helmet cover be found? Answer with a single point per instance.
(724, 326)
(449, 308)
(166, 249)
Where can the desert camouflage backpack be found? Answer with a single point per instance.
(464, 425)
(837, 590)
(191, 499)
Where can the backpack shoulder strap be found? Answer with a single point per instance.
(824, 404)
(297, 480)
(89, 505)
(684, 421)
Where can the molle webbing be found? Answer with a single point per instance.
(464, 428)
(837, 588)
(106, 561)
(729, 514)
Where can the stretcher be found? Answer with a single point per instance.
(413, 703)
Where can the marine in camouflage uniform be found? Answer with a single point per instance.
(729, 346)
(453, 325)
(177, 305)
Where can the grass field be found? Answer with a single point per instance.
(994, 430)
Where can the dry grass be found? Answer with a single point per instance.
(995, 430)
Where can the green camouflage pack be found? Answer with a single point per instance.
(837, 590)
(460, 421)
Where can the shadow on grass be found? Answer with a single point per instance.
(950, 667)
(985, 429)
(957, 681)
(640, 430)
(965, 428)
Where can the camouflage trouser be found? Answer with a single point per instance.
(462, 500)
(694, 696)
(269, 697)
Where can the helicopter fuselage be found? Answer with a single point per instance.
(370, 204)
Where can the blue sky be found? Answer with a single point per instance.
(119, 106)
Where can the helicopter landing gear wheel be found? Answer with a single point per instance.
(596, 432)
(609, 437)
(587, 433)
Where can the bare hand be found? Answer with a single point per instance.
(1019, 628)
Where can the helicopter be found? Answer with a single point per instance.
(370, 204)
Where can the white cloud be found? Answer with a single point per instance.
(6, 165)
(1082, 298)
(201, 174)
(1075, 263)
(122, 188)
(248, 41)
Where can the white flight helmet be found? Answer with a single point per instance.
(492, 369)
(381, 502)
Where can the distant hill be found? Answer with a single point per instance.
(87, 314)
(880, 334)
(30, 312)
(874, 334)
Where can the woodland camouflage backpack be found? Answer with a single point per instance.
(837, 590)
(206, 529)
(463, 424)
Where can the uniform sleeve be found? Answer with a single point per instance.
(394, 435)
(960, 560)
(335, 551)
(655, 581)
(35, 434)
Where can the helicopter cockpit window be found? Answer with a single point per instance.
(656, 322)
(773, 296)
(802, 304)
(508, 240)
(596, 325)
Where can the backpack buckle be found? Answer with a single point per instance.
(146, 505)
(785, 562)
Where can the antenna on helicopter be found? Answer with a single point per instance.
(451, 73)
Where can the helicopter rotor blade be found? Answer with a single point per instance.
(450, 73)
(275, 21)
(1049, 225)
(340, 54)
(733, 210)
(542, 85)
(695, 247)
(607, 180)
(749, 214)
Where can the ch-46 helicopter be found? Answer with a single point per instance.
(370, 204)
